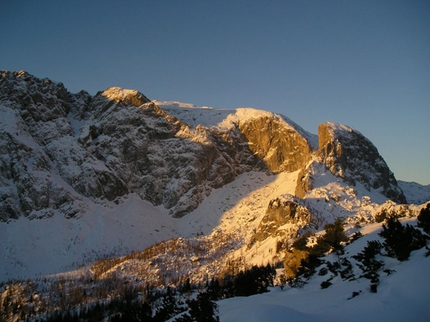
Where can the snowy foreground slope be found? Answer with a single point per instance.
(401, 296)
(34, 247)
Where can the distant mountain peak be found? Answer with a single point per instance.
(126, 96)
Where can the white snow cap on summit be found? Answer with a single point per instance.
(129, 96)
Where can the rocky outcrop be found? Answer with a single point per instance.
(284, 217)
(125, 96)
(349, 155)
(282, 146)
(304, 182)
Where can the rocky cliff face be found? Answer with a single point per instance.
(349, 155)
(283, 148)
(58, 150)
(35, 135)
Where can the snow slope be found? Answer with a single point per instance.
(57, 244)
(46, 246)
(401, 296)
(415, 192)
(194, 115)
(54, 245)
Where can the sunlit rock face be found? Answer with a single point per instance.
(304, 182)
(279, 144)
(350, 155)
(125, 96)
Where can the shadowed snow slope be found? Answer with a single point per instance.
(415, 192)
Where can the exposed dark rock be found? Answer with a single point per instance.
(304, 183)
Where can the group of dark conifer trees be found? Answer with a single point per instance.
(176, 302)
(398, 242)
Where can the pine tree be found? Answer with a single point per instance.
(214, 289)
(401, 240)
(424, 218)
(203, 309)
(335, 234)
(369, 265)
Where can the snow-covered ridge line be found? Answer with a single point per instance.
(228, 119)
(415, 192)
(177, 104)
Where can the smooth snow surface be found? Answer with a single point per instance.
(415, 192)
(56, 244)
(195, 115)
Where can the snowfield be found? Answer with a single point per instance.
(53, 245)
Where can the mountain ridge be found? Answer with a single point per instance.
(77, 160)
(96, 136)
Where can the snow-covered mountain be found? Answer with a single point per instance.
(189, 190)
(60, 148)
(72, 156)
(415, 192)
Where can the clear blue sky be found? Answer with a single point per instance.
(365, 64)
